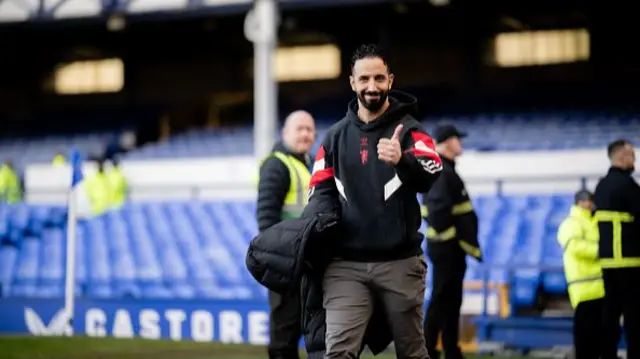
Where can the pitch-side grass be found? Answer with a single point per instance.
(109, 348)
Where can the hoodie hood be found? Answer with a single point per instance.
(302, 157)
(401, 104)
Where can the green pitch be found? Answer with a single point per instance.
(94, 348)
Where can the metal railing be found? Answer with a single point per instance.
(511, 269)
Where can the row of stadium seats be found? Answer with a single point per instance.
(187, 249)
(487, 133)
(496, 132)
(42, 150)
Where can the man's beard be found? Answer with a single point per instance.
(373, 105)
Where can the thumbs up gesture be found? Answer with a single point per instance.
(389, 150)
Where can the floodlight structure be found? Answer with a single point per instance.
(261, 28)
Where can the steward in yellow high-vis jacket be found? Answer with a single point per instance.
(10, 187)
(118, 185)
(452, 233)
(282, 194)
(98, 189)
(578, 237)
(59, 159)
(617, 200)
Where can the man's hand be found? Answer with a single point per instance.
(389, 150)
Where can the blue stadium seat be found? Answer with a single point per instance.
(57, 217)
(26, 273)
(42, 149)
(8, 259)
(553, 280)
(18, 221)
(38, 219)
(4, 224)
(81, 256)
(194, 249)
(528, 251)
(97, 244)
(52, 251)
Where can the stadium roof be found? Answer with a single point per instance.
(12, 11)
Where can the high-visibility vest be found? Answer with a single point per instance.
(58, 160)
(299, 179)
(118, 187)
(578, 236)
(98, 190)
(10, 191)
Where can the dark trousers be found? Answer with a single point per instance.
(443, 313)
(588, 330)
(622, 298)
(285, 326)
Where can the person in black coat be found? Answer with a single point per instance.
(282, 193)
(617, 202)
(452, 234)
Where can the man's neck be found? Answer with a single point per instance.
(367, 116)
(618, 166)
(291, 149)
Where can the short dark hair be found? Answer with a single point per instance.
(369, 51)
(583, 195)
(615, 146)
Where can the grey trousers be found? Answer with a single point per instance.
(349, 291)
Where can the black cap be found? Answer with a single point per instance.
(446, 131)
(583, 195)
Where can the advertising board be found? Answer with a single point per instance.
(238, 322)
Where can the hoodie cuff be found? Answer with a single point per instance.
(404, 164)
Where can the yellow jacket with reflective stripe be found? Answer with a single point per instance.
(617, 200)
(449, 213)
(299, 178)
(578, 237)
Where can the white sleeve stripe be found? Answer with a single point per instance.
(423, 147)
(340, 188)
(318, 165)
(392, 186)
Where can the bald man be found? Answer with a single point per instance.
(282, 194)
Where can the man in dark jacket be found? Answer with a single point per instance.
(617, 201)
(377, 254)
(452, 233)
(282, 194)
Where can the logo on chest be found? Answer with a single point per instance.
(364, 150)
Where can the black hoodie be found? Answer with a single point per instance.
(378, 204)
(273, 187)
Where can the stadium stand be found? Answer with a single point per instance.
(496, 132)
(42, 149)
(489, 133)
(196, 249)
